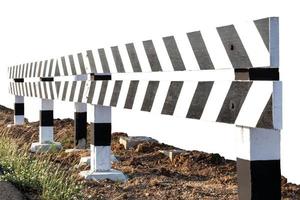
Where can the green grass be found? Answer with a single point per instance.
(38, 174)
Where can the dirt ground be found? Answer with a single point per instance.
(151, 175)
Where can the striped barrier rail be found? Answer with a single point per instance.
(253, 101)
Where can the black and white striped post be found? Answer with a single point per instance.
(46, 138)
(19, 106)
(258, 149)
(80, 120)
(101, 147)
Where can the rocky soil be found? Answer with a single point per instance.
(152, 175)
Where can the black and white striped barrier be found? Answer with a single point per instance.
(253, 101)
(19, 107)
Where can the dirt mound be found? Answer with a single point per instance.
(152, 175)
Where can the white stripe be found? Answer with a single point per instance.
(99, 68)
(68, 65)
(109, 91)
(76, 63)
(47, 104)
(125, 58)
(162, 54)
(69, 88)
(160, 97)
(253, 44)
(123, 94)
(186, 52)
(254, 104)
(97, 92)
(102, 114)
(110, 60)
(140, 94)
(141, 54)
(216, 48)
(77, 90)
(86, 91)
(42, 90)
(61, 89)
(185, 97)
(215, 100)
(86, 62)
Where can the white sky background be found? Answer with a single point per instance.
(36, 30)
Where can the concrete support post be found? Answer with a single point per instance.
(46, 138)
(19, 110)
(101, 147)
(258, 164)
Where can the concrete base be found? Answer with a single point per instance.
(75, 150)
(87, 160)
(112, 174)
(131, 142)
(38, 147)
(172, 153)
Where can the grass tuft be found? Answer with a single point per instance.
(37, 174)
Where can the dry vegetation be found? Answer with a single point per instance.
(191, 175)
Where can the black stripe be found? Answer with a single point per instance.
(40, 69)
(34, 88)
(19, 80)
(81, 63)
(30, 70)
(152, 56)
(57, 87)
(47, 79)
(51, 91)
(26, 89)
(259, 179)
(57, 71)
(30, 89)
(174, 53)
(81, 90)
(102, 92)
(101, 134)
(40, 89)
(45, 89)
(80, 126)
(261, 74)
(172, 97)
(131, 94)
(117, 59)
(64, 66)
(199, 99)
(23, 89)
(116, 93)
(23, 70)
(26, 70)
(266, 118)
(103, 60)
(200, 50)
(263, 27)
(72, 64)
(17, 71)
(19, 109)
(65, 91)
(46, 118)
(234, 101)
(73, 90)
(150, 95)
(34, 69)
(50, 67)
(45, 68)
(91, 61)
(100, 77)
(234, 47)
(133, 57)
(91, 92)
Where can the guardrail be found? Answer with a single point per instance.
(253, 101)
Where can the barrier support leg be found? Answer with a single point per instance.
(258, 164)
(19, 110)
(101, 147)
(46, 141)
